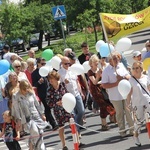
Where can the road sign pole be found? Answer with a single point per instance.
(62, 28)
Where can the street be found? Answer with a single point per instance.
(92, 136)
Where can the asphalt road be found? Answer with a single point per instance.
(92, 136)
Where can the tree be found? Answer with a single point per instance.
(20, 21)
(15, 22)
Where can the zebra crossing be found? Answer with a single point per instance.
(23, 145)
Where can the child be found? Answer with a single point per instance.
(10, 132)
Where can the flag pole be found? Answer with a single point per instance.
(104, 30)
(106, 37)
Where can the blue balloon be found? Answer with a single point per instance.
(4, 66)
(104, 50)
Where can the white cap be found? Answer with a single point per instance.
(136, 53)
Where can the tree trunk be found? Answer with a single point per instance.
(149, 3)
(96, 38)
(40, 39)
(48, 38)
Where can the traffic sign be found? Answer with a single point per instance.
(59, 12)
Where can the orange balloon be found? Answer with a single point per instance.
(146, 63)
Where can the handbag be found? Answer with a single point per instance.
(105, 94)
(141, 86)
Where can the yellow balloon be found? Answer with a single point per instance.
(146, 63)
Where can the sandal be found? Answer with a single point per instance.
(65, 148)
(105, 128)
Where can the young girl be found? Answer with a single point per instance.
(10, 132)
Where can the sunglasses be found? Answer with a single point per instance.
(17, 66)
(43, 64)
(135, 68)
(67, 64)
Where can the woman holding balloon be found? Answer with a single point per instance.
(139, 97)
(55, 92)
(94, 75)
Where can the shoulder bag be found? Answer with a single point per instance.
(141, 86)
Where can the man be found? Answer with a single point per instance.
(7, 54)
(41, 83)
(111, 76)
(85, 56)
(66, 51)
(31, 53)
(71, 83)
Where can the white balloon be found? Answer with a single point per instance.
(123, 44)
(86, 66)
(77, 69)
(68, 102)
(43, 71)
(55, 62)
(48, 64)
(98, 44)
(124, 88)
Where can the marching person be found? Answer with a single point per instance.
(139, 97)
(10, 131)
(111, 76)
(27, 111)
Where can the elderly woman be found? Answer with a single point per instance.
(55, 92)
(30, 68)
(17, 69)
(139, 97)
(28, 111)
(94, 75)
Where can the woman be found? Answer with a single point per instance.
(30, 68)
(11, 87)
(94, 75)
(139, 97)
(17, 69)
(55, 92)
(28, 111)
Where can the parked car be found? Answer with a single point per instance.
(34, 39)
(18, 44)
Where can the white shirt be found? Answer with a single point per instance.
(139, 96)
(72, 86)
(109, 76)
(8, 55)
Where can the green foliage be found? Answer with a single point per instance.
(72, 41)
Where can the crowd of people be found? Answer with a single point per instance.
(27, 99)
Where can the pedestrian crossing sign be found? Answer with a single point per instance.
(59, 12)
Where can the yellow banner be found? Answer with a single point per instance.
(118, 25)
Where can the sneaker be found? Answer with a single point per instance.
(137, 141)
(105, 128)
